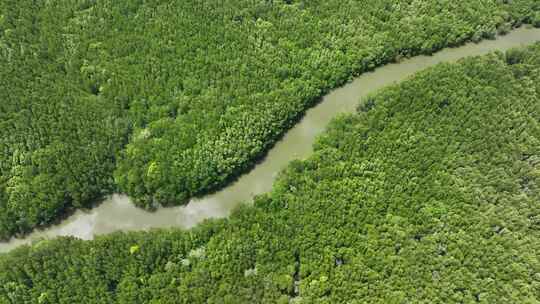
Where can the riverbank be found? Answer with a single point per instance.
(427, 194)
(117, 213)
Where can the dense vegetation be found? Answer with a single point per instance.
(429, 194)
(177, 97)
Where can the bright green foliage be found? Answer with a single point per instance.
(211, 91)
(186, 94)
(429, 195)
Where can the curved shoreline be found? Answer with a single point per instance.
(118, 213)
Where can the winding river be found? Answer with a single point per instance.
(117, 212)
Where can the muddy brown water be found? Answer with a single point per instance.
(117, 212)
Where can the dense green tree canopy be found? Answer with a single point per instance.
(177, 97)
(429, 194)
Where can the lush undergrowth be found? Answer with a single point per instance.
(178, 97)
(429, 194)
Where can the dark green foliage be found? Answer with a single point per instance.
(429, 195)
(186, 94)
(58, 140)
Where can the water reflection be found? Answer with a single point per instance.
(117, 212)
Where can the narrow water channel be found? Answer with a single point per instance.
(117, 212)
